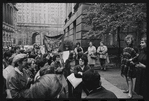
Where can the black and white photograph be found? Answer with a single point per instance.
(74, 50)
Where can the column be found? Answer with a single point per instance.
(3, 12)
(13, 16)
(6, 13)
(10, 17)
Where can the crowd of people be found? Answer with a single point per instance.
(31, 74)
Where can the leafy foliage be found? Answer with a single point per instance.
(69, 44)
(107, 17)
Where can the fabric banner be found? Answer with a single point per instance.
(73, 80)
(52, 42)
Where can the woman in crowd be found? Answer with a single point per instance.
(91, 51)
(78, 72)
(69, 68)
(127, 67)
(31, 68)
(140, 85)
(102, 51)
(78, 50)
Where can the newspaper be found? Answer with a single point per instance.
(73, 80)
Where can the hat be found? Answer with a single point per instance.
(18, 57)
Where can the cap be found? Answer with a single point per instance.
(18, 57)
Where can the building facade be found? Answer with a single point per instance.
(75, 26)
(75, 29)
(42, 13)
(9, 23)
(40, 16)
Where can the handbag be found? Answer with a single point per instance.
(93, 56)
(102, 56)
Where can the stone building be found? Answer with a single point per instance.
(9, 23)
(75, 29)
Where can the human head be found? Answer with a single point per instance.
(78, 44)
(143, 43)
(40, 63)
(129, 39)
(7, 55)
(83, 60)
(91, 79)
(32, 63)
(56, 57)
(72, 55)
(17, 49)
(20, 60)
(90, 43)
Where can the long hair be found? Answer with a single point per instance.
(84, 58)
(129, 37)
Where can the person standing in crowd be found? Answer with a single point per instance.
(58, 64)
(6, 57)
(91, 51)
(78, 72)
(6, 72)
(102, 51)
(30, 69)
(69, 68)
(141, 60)
(18, 80)
(127, 67)
(78, 50)
(8, 65)
(92, 85)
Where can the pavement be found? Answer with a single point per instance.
(112, 81)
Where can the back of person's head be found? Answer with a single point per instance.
(91, 79)
(15, 48)
(48, 86)
(71, 55)
(7, 54)
(40, 63)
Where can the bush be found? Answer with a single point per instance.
(69, 44)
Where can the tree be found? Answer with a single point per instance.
(108, 17)
(105, 18)
(69, 44)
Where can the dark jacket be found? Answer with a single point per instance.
(102, 93)
(78, 69)
(67, 68)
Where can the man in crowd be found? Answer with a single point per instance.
(92, 86)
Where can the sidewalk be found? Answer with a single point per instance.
(118, 92)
